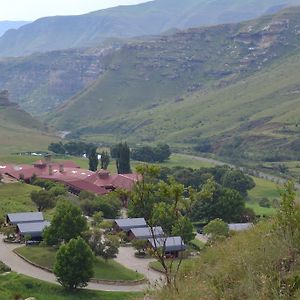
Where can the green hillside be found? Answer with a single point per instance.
(19, 131)
(154, 17)
(236, 86)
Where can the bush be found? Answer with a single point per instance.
(4, 268)
(264, 202)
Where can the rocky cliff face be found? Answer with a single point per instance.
(40, 83)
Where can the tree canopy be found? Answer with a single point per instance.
(74, 264)
(67, 223)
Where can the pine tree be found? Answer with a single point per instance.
(93, 160)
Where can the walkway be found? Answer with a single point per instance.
(126, 258)
(20, 266)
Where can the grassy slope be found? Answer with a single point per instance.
(109, 270)
(20, 132)
(137, 97)
(250, 265)
(15, 197)
(15, 284)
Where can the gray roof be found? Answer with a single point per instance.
(25, 217)
(174, 243)
(33, 229)
(240, 226)
(145, 232)
(127, 224)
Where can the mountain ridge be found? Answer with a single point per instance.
(155, 17)
(171, 88)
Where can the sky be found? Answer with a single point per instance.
(29, 10)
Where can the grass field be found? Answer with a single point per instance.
(15, 197)
(186, 264)
(105, 270)
(13, 285)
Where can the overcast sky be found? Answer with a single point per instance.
(28, 10)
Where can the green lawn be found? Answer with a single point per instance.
(13, 285)
(264, 189)
(186, 264)
(262, 211)
(195, 243)
(106, 270)
(15, 197)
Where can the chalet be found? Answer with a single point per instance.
(145, 233)
(127, 224)
(34, 230)
(72, 176)
(28, 217)
(172, 246)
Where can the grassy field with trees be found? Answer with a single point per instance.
(103, 269)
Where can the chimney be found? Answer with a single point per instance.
(50, 170)
(48, 158)
(61, 168)
(103, 174)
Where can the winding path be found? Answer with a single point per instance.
(20, 266)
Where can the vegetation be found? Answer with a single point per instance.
(74, 264)
(261, 263)
(15, 197)
(67, 223)
(216, 229)
(105, 159)
(4, 268)
(93, 160)
(121, 153)
(158, 154)
(103, 269)
(158, 202)
(214, 201)
(15, 285)
(43, 199)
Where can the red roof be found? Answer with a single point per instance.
(100, 182)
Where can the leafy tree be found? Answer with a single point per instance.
(123, 158)
(97, 218)
(237, 180)
(159, 203)
(216, 229)
(213, 202)
(106, 246)
(93, 160)
(139, 245)
(104, 160)
(57, 148)
(160, 153)
(43, 199)
(184, 228)
(74, 264)
(67, 223)
(264, 202)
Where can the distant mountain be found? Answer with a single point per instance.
(41, 82)
(149, 18)
(6, 25)
(19, 131)
(234, 87)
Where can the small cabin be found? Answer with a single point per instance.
(172, 246)
(145, 233)
(34, 230)
(28, 217)
(127, 224)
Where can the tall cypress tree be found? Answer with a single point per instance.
(93, 160)
(123, 159)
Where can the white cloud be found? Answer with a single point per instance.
(34, 9)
